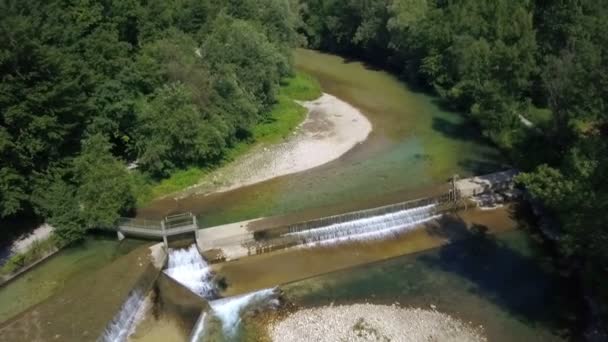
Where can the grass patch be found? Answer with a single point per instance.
(38, 250)
(286, 115)
(283, 118)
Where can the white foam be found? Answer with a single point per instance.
(369, 228)
(229, 310)
(189, 268)
(130, 314)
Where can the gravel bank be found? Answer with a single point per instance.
(331, 128)
(368, 322)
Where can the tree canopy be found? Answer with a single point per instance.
(87, 86)
(498, 61)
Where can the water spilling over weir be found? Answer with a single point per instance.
(189, 268)
(369, 228)
(364, 225)
(220, 320)
(124, 323)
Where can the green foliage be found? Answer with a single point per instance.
(91, 192)
(496, 60)
(104, 190)
(301, 87)
(287, 114)
(474, 54)
(173, 85)
(171, 132)
(284, 116)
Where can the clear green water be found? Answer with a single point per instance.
(68, 266)
(414, 144)
(505, 283)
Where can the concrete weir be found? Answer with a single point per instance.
(82, 310)
(237, 240)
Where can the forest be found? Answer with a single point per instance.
(172, 84)
(532, 74)
(169, 84)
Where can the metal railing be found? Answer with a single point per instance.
(125, 222)
(170, 225)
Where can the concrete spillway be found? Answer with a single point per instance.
(368, 228)
(125, 322)
(187, 267)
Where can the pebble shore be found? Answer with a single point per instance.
(369, 322)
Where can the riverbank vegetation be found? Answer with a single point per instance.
(167, 86)
(503, 63)
(282, 119)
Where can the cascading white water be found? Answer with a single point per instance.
(124, 323)
(189, 268)
(375, 227)
(229, 310)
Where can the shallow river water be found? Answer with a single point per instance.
(414, 144)
(501, 279)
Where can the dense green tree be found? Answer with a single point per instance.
(172, 133)
(171, 83)
(91, 192)
(493, 59)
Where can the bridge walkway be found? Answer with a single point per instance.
(169, 226)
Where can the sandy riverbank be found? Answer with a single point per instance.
(368, 322)
(331, 128)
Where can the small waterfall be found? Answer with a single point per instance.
(369, 228)
(124, 323)
(189, 268)
(229, 310)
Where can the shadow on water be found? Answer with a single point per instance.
(13, 229)
(480, 166)
(461, 130)
(521, 280)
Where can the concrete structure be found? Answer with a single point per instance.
(169, 226)
(236, 240)
(474, 186)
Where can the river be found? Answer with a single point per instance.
(415, 144)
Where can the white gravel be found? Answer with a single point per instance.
(369, 322)
(41, 233)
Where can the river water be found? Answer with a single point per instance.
(503, 283)
(414, 144)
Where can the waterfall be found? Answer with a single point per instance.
(124, 323)
(198, 328)
(189, 268)
(222, 321)
(229, 310)
(369, 228)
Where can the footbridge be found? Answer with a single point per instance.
(235, 240)
(169, 226)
